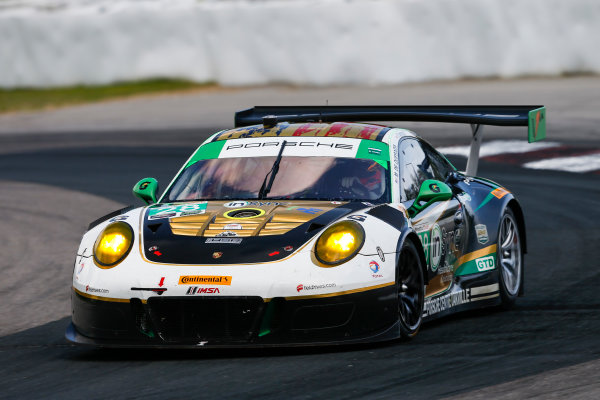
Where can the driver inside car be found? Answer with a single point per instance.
(367, 181)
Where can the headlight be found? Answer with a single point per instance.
(339, 243)
(113, 244)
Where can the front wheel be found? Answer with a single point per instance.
(410, 287)
(510, 259)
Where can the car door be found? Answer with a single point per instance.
(439, 226)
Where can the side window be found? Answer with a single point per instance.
(414, 168)
(441, 167)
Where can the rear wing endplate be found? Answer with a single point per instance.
(534, 117)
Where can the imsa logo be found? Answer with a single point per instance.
(485, 263)
(192, 290)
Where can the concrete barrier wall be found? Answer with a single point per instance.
(55, 43)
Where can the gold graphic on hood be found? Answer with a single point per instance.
(221, 221)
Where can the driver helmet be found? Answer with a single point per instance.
(372, 177)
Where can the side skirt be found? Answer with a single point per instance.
(467, 292)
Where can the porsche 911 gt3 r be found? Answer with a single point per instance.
(295, 228)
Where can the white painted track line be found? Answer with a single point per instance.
(495, 147)
(586, 163)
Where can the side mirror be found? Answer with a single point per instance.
(431, 191)
(146, 190)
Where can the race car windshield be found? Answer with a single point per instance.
(307, 178)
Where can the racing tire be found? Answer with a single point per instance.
(510, 259)
(410, 289)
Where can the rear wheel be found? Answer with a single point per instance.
(510, 259)
(411, 290)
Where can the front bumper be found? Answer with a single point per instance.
(232, 321)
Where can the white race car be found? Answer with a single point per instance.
(295, 229)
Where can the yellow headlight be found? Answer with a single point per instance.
(339, 243)
(113, 244)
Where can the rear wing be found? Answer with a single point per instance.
(534, 117)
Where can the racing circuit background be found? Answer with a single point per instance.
(62, 168)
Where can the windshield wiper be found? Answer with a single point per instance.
(266, 188)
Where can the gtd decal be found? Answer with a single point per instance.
(485, 263)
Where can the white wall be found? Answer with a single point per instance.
(55, 43)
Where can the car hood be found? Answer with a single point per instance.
(230, 232)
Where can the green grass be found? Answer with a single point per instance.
(35, 99)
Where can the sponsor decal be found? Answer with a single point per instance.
(446, 301)
(432, 246)
(192, 290)
(143, 185)
(434, 188)
(436, 247)
(485, 263)
(499, 192)
(119, 218)
(233, 226)
(359, 218)
(314, 287)
(482, 233)
(336, 202)
(396, 169)
(311, 144)
(374, 266)
(464, 197)
(81, 263)
(90, 289)
(161, 216)
(457, 238)
(226, 234)
(196, 212)
(234, 204)
(309, 210)
(374, 151)
(243, 203)
(288, 248)
(224, 240)
(204, 280)
(170, 211)
(152, 248)
(267, 203)
(380, 254)
(217, 254)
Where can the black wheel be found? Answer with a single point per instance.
(510, 259)
(410, 287)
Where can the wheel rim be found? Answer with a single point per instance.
(510, 255)
(410, 287)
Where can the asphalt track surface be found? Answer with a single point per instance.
(53, 184)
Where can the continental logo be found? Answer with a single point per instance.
(204, 280)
